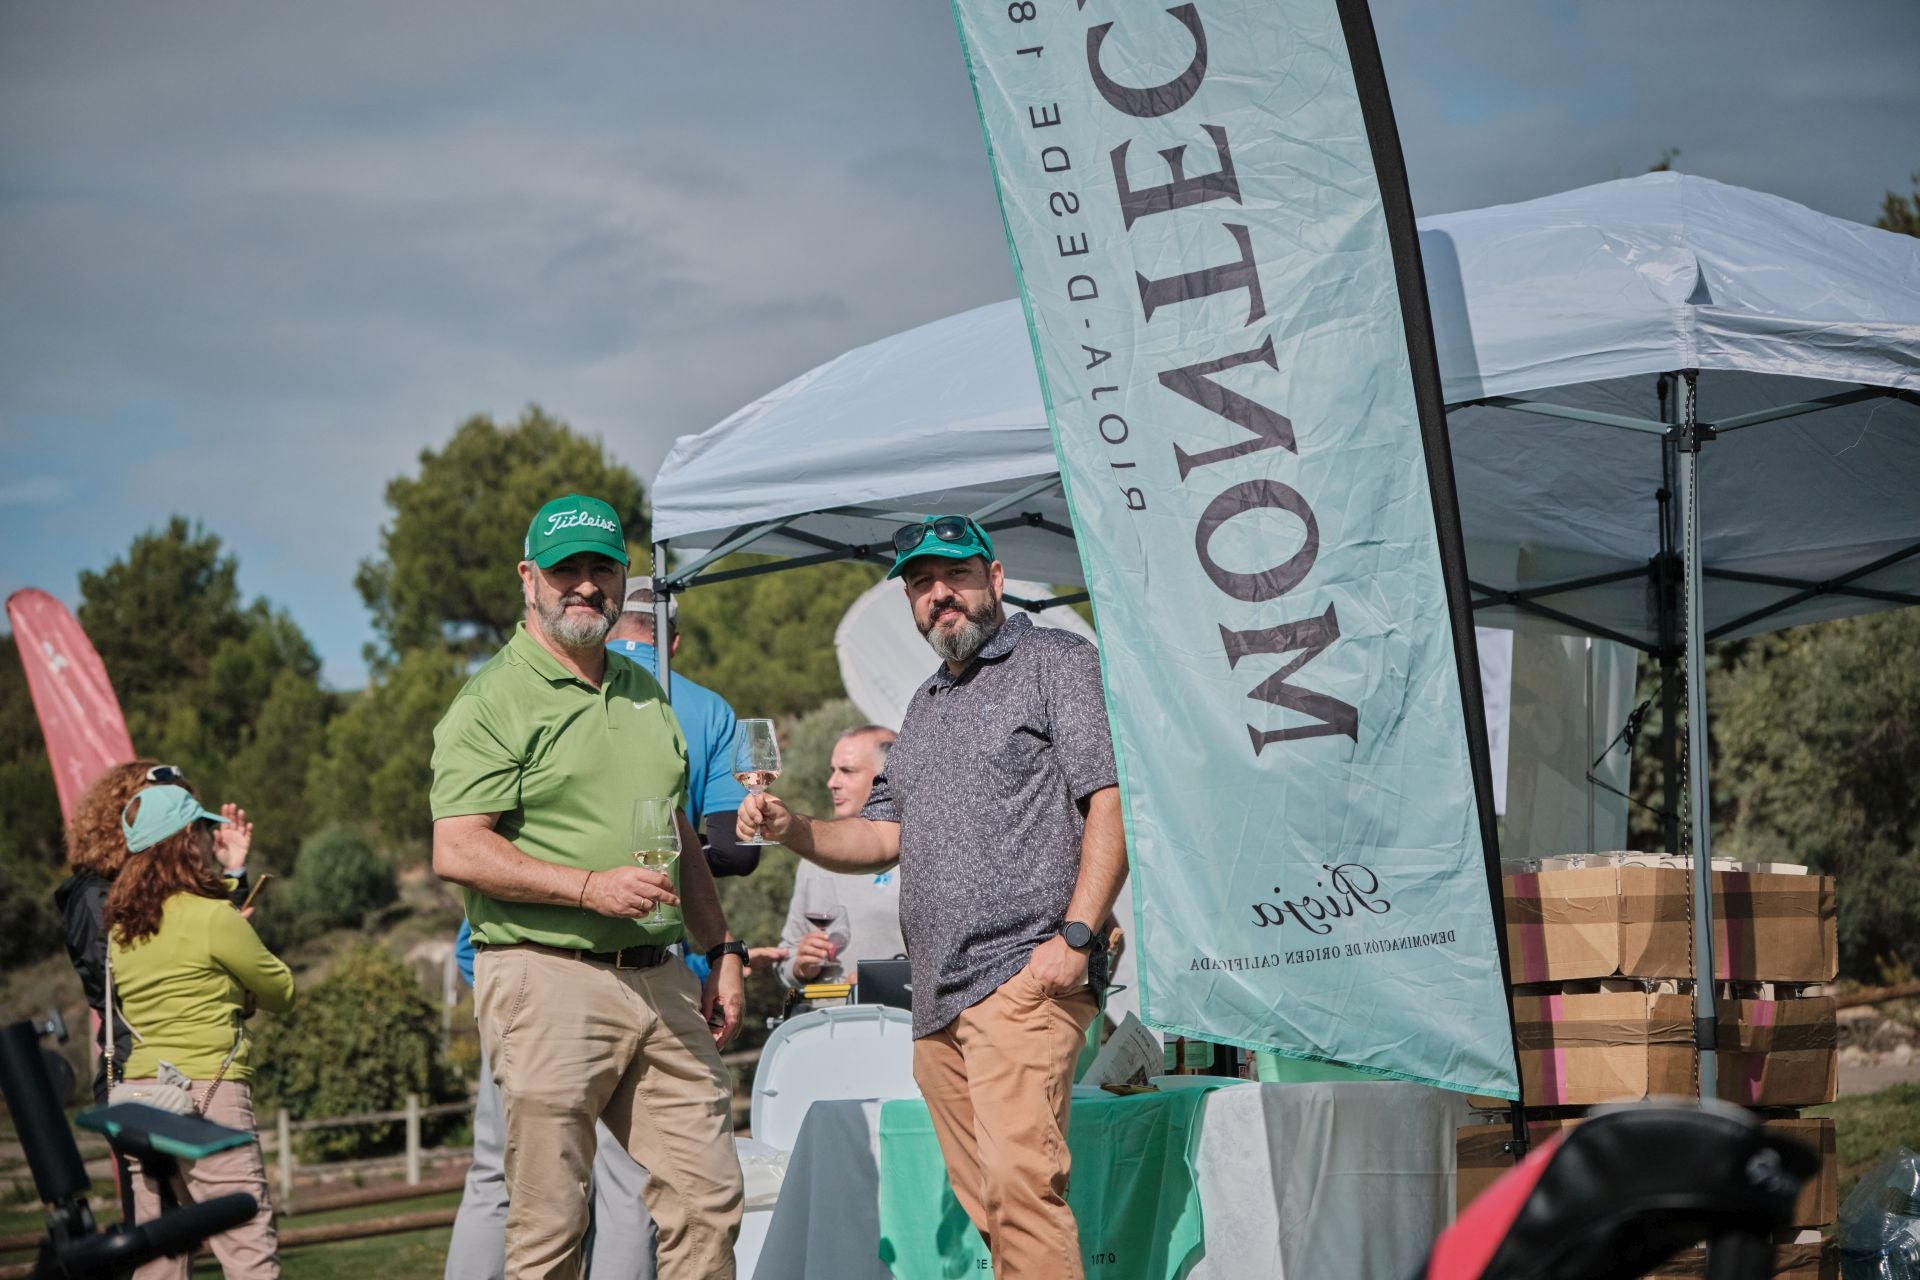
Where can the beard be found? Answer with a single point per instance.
(963, 642)
(572, 631)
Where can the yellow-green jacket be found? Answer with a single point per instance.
(180, 987)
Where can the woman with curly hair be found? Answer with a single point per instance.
(185, 969)
(96, 848)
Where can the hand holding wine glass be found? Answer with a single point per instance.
(818, 951)
(656, 846)
(756, 763)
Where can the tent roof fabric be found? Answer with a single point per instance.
(1579, 300)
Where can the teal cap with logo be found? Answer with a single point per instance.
(956, 537)
(163, 811)
(567, 526)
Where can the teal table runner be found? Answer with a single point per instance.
(1133, 1190)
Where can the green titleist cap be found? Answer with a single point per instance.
(163, 811)
(567, 526)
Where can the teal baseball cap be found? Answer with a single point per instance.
(163, 811)
(567, 526)
(956, 537)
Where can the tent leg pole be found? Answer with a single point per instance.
(662, 622)
(1669, 754)
(1699, 796)
(1666, 586)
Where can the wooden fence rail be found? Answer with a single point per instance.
(411, 1115)
(285, 1126)
(381, 1117)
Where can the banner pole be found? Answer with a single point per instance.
(1383, 138)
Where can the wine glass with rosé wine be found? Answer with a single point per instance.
(756, 761)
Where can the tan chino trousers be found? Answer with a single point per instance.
(998, 1080)
(249, 1251)
(572, 1041)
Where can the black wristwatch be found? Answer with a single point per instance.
(1078, 935)
(734, 948)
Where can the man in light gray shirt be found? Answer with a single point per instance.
(855, 917)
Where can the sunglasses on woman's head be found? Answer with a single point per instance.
(165, 775)
(946, 528)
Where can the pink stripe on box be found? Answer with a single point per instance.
(1761, 1013)
(1553, 1075)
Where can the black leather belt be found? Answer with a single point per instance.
(642, 957)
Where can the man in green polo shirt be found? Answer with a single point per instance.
(536, 768)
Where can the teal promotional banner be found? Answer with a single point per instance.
(1208, 217)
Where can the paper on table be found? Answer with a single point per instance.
(1131, 1055)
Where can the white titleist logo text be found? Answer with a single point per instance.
(574, 519)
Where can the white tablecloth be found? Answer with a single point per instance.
(1313, 1181)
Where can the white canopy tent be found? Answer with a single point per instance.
(1606, 354)
(1552, 318)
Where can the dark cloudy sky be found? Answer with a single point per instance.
(254, 257)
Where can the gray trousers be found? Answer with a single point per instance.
(622, 1237)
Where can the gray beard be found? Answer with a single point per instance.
(577, 633)
(961, 645)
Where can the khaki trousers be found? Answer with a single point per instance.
(246, 1252)
(571, 1042)
(998, 1080)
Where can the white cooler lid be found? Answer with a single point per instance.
(852, 1051)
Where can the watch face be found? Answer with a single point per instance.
(1077, 934)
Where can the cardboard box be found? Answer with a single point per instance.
(1774, 928)
(1819, 1202)
(1791, 1261)
(1612, 1046)
(1622, 1046)
(1481, 1158)
(1779, 1053)
(1597, 922)
(1616, 920)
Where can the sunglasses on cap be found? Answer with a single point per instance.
(166, 775)
(946, 528)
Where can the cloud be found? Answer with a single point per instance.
(256, 257)
(1500, 101)
(34, 491)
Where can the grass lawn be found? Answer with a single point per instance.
(417, 1255)
(1868, 1128)
(413, 1255)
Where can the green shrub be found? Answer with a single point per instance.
(1819, 744)
(29, 925)
(359, 1041)
(342, 880)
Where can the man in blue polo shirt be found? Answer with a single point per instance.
(622, 1246)
(707, 722)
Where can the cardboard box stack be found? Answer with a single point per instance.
(1602, 963)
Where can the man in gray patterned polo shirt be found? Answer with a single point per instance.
(1000, 804)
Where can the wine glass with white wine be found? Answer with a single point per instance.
(756, 761)
(656, 846)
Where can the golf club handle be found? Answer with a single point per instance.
(171, 1233)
